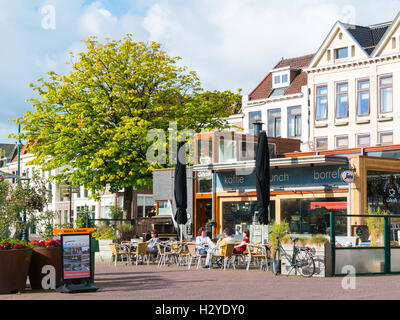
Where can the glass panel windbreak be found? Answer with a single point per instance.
(227, 150)
(311, 216)
(383, 191)
(362, 260)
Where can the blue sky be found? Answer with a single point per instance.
(230, 43)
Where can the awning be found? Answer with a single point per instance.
(328, 205)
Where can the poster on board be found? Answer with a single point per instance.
(76, 256)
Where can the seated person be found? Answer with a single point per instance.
(202, 241)
(152, 243)
(239, 249)
(222, 241)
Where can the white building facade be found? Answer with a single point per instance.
(353, 80)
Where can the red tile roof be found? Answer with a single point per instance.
(264, 88)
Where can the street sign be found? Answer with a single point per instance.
(347, 176)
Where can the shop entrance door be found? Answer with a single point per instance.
(204, 213)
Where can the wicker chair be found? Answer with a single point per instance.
(118, 251)
(226, 253)
(256, 253)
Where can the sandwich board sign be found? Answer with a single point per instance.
(76, 259)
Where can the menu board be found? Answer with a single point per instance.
(76, 256)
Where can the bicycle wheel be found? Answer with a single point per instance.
(304, 262)
(276, 263)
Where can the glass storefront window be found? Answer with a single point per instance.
(204, 182)
(311, 216)
(239, 215)
(383, 191)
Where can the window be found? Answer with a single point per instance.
(321, 103)
(204, 151)
(204, 182)
(284, 78)
(144, 205)
(385, 138)
(386, 94)
(342, 100)
(163, 208)
(342, 142)
(227, 150)
(341, 53)
(254, 117)
(274, 123)
(363, 140)
(65, 216)
(277, 79)
(309, 216)
(294, 121)
(362, 97)
(321, 143)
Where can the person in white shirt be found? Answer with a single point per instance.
(202, 241)
(222, 241)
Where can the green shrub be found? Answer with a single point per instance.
(126, 232)
(104, 232)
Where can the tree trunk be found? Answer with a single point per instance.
(128, 196)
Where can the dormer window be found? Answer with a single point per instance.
(277, 79)
(281, 78)
(341, 53)
(285, 78)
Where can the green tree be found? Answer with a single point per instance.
(93, 122)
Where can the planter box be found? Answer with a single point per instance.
(104, 253)
(14, 267)
(40, 258)
(322, 258)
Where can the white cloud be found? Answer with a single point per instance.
(96, 20)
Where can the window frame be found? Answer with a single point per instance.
(363, 135)
(250, 120)
(337, 51)
(295, 117)
(337, 93)
(316, 99)
(341, 136)
(380, 138)
(320, 138)
(358, 91)
(380, 92)
(275, 118)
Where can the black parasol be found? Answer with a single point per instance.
(180, 187)
(262, 178)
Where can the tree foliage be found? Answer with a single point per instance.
(93, 122)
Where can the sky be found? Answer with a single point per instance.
(231, 44)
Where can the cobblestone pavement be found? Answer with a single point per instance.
(151, 282)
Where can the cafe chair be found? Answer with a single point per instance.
(226, 253)
(118, 251)
(164, 254)
(140, 252)
(257, 254)
(193, 255)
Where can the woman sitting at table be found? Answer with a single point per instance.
(202, 241)
(152, 243)
(240, 248)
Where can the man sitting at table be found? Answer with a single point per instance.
(222, 241)
(202, 241)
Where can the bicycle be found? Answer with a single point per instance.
(301, 260)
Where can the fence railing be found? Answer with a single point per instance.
(91, 222)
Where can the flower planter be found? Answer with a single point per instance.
(104, 253)
(322, 260)
(14, 267)
(40, 258)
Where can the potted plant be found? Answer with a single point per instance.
(105, 235)
(15, 258)
(44, 253)
(376, 226)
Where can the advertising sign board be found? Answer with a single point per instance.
(76, 256)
